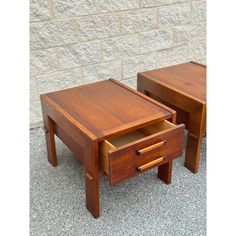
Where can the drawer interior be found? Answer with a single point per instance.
(113, 143)
(140, 133)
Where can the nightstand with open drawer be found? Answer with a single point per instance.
(114, 130)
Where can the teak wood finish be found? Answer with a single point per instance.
(183, 88)
(113, 130)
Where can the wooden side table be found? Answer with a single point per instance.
(114, 131)
(183, 88)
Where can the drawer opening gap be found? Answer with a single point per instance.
(140, 133)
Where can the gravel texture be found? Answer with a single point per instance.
(140, 206)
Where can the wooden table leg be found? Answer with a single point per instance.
(195, 134)
(92, 178)
(165, 172)
(50, 141)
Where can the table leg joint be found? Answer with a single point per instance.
(45, 130)
(89, 176)
(193, 136)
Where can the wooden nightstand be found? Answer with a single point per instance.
(113, 130)
(183, 88)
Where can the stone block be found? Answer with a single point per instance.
(117, 5)
(39, 10)
(102, 71)
(53, 33)
(172, 56)
(198, 11)
(117, 48)
(43, 61)
(80, 54)
(178, 14)
(99, 26)
(156, 40)
(58, 81)
(133, 65)
(72, 8)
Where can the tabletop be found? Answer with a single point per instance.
(108, 107)
(187, 78)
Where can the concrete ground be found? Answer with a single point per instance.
(140, 206)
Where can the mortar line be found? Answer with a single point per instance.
(50, 8)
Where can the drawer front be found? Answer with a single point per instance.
(139, 156)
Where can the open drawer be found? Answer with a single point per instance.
(130, 154)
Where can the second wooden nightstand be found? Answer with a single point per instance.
(183, 88)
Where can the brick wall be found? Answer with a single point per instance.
(75, 42)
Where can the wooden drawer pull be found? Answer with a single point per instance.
(149, 164)
(152, 147)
